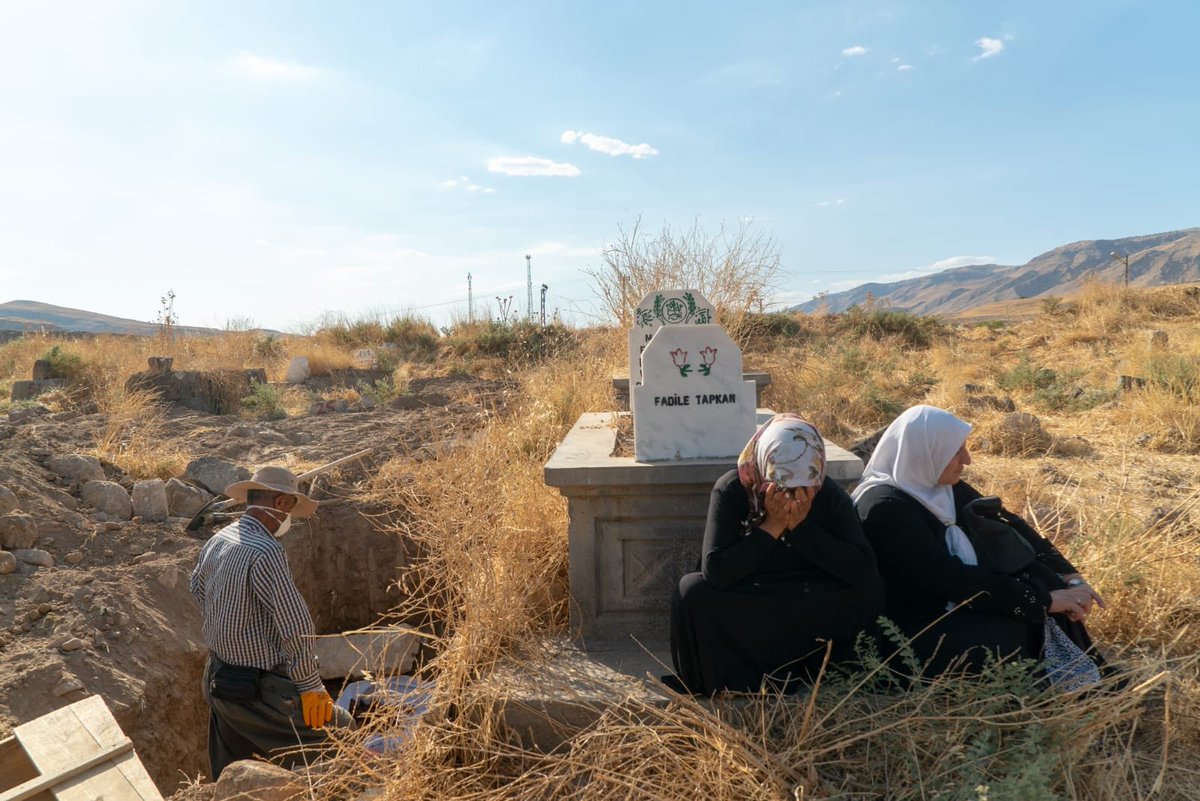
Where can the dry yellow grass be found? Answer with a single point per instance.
(494, 577)
(1116, 488)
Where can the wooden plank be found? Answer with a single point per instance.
(73, 734)
(49, 781)
(126, 771)
(15, 767)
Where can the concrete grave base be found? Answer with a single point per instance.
(636, 528)
(562, 690)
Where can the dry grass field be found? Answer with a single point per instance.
(1110, 474)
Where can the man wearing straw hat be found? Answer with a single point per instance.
(261, 681)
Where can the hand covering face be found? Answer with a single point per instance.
(911, 456)
(786, 450)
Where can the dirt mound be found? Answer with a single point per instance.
(113, 615)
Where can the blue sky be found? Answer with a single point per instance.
(276, 160)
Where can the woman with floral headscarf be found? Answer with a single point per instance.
(914, 508)
(785, 571)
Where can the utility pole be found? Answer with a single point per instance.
(1118, 257)
(470, 301)
(544, 288)
(529, 286)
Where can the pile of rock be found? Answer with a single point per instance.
(151, 500)
(18, 534)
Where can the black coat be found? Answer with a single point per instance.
(762, 606)
(1003, 614)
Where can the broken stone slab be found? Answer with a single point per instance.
(560, 690)
(380, 652)
(326, 406)
(158, 365)
(8, 501)
(34, 556)
(183, 499)
(76, 467)
(150, 500)
(18, 530)
(251, 780)
(28, 390)
(216, 392)
(42, 369)
(298, 370)
(74, 557)
(8, 563)
(27, 414)
(108, 498)
(66, 686)
(215, 474)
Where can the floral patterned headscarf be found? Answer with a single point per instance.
(787, 450)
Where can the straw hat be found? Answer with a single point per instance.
(275, 479)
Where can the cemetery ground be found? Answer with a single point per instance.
(462, 426)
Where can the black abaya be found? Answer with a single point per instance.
(998, 615)
(763, 607)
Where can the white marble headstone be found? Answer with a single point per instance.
(692, 402)
(659, 308)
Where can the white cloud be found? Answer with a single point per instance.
(609, 145)
(856, 50)
(467, 185)
(989, 47)
(837, 202)
(248, 65)
(531, 165)
(904, 67)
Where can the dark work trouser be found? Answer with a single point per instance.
(271, 726)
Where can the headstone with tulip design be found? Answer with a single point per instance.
(659, 308)
(692, 402)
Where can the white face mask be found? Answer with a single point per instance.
(284, 524)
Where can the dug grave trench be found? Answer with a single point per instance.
(148, 659)
(114, 617)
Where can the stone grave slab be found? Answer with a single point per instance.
(692, 402)
(659, 308)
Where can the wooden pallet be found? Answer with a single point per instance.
(77, 753)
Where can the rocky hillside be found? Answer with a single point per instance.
(1154, 259)
(30, 315)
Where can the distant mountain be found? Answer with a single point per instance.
(1155, 259)
(29, 315)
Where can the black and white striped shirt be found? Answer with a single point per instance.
(253, 614)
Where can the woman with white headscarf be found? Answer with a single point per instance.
(911, 502)
(785, 570)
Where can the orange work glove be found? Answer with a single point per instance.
(317, 707)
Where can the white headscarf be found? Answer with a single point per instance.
(911, 456)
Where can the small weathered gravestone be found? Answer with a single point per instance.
(183, 499)
(692, 402)
(77, 467)
(298, 370)
(150, 500)
(108, 498)
(18, 530)
(215, 474)
(659, 308)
